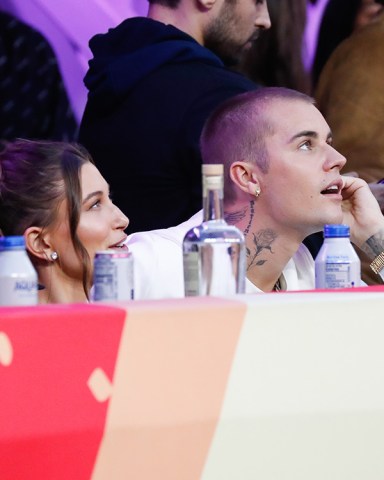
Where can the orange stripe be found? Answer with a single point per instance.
(170, 379)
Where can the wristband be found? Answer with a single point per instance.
(378, 263)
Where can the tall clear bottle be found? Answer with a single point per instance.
(337, 264)
(213, 252)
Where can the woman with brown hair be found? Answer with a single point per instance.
(275, 59)
(52, 193)
(341, 18)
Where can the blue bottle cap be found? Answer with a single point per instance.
(334, 231)
(12, 242)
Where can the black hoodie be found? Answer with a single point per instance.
(151, 87)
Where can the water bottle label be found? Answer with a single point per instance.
(339, 275)
(212, 270)
(191, 261)
(18, 291)
(113, 277)
(105, 282)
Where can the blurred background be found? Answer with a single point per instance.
(69, 24)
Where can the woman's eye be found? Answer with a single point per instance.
(95, 205)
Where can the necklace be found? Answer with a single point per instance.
(277, 286)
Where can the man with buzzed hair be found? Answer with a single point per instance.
(282, 183)
(152, 83)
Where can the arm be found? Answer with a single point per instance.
(374, 248)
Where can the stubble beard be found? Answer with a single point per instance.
(217, 37)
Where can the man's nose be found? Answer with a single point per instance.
(334, 159)
(263, 19)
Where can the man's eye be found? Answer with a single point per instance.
(307, 145)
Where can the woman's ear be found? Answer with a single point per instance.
(37, 243)
(245, 178)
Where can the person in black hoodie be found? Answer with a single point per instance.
(152, 83)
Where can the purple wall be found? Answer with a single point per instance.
(69, 24)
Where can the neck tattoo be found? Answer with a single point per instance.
(262, 242)
(234, 217)
(251, 215)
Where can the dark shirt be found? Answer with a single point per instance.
(33, 102)
(151, 88)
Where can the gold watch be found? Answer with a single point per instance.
(378, 263)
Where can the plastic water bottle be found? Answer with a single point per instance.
(213, 252)
(18, 278)
(113, 275)
(337, 264)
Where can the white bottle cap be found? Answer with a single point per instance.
(213, 169)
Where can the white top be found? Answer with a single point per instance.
(158, 264)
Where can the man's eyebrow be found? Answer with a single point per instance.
(310, 134)
(304, 133)
(91, 195)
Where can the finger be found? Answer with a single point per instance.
(352, 174)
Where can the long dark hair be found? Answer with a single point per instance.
(35, 177)
(275, 59)
(336, 25)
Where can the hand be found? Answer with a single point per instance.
(378, 191)
(361, 210)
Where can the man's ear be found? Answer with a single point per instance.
(245, 178)
(37, 243)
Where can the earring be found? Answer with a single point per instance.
(54, 256)
(257, 191)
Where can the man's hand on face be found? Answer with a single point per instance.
(376, 188)
(378, 191)
(361, 210)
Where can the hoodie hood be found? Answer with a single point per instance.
(128, 53)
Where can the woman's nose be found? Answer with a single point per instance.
(122, 221)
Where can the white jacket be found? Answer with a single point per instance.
(158, 264)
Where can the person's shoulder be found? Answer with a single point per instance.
(157, 258)
(203, 87)
(364, 42)
(209, 74)
(299, 273)
(22, 40)
(13, 26)
(356, 58)
(303, 256)
(166, 238)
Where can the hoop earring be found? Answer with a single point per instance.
(54, 256)
(257, 191)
